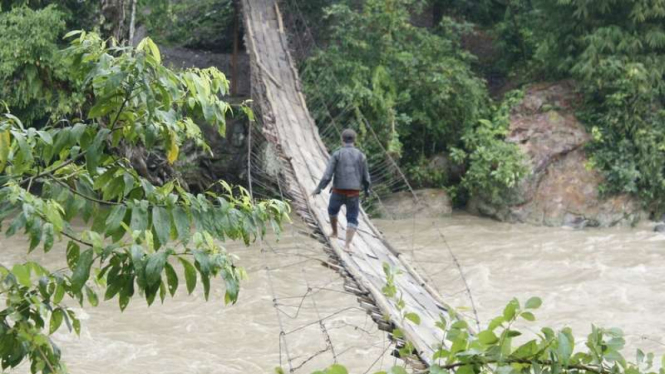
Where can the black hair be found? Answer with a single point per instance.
(348, 136)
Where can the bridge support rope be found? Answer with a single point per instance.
(288, 126)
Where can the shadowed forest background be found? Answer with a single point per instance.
(437, 80)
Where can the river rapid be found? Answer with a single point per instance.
(293, 312)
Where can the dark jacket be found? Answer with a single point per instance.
(348, 170)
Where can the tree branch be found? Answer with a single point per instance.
(588, 368)
(76, 192)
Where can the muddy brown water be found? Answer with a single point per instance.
(610, 277)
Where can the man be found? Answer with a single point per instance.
(348, 169)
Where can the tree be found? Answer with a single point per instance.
(138, 233)
(32, 78)
(616, 51)
(415, 87)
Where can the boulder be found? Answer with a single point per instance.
(560, 189)
(659, 228)
(432, 203)
(442, 163)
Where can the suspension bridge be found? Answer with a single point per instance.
(298, 154)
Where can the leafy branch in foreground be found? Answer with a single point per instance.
(134, 235)
(503, 349)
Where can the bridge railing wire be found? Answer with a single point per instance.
(267, 173)
(268, 178)
(387, 176)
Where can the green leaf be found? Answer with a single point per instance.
(436, 369)
(73, 252)
(72, 33)
(337, 369)
(162, 291)
(154, 50)
(22, 274)
(171, 279)
(56, 320)
(496, 322)
(564, 348)
(181, 222)
(128, 182)
(126, 293)
(202, 261)
(123, 301)
(139, 220)
(92, 296)
(82, 270)
(96, 150)
(527, 350)
(173, 150)
(113, 287)
(5, 145)
(161, 222)
(488, 337)
(59, 293)
(206, 286)
(100, 109)
(53, 215)
(509, 310)
(533, 303)
(155, 265)
(190, 274)
(48, 237)
(35, 232)
(413, 317)
(115, 217)
(151, 293)
(528, 316)
(76, 323)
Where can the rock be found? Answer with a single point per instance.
(432, 203)
(441, 163)
(560, 190)
(228, 160)
(659, 227)
(183, 58)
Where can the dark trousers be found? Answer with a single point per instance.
(352, 207)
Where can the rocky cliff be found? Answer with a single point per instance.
(560, 188)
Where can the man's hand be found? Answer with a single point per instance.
(316, 192)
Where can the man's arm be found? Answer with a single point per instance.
(366, 179)
(327, 176)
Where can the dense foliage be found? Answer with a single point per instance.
(207, 25)
(31, 72)
(495, 166)
(77, 14)
(423, 93)
(616, 51)
(134, 235)
(415, 88)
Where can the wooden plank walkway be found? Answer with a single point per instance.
(288, 124)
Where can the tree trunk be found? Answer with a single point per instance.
(113, 19)
(234, 57)
(132, 23)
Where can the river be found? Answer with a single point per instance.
(610, 277)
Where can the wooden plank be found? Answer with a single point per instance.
(292, 128)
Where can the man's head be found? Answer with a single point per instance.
(348, 136)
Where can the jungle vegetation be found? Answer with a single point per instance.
(81, 109)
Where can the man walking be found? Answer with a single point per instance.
(347, 168)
